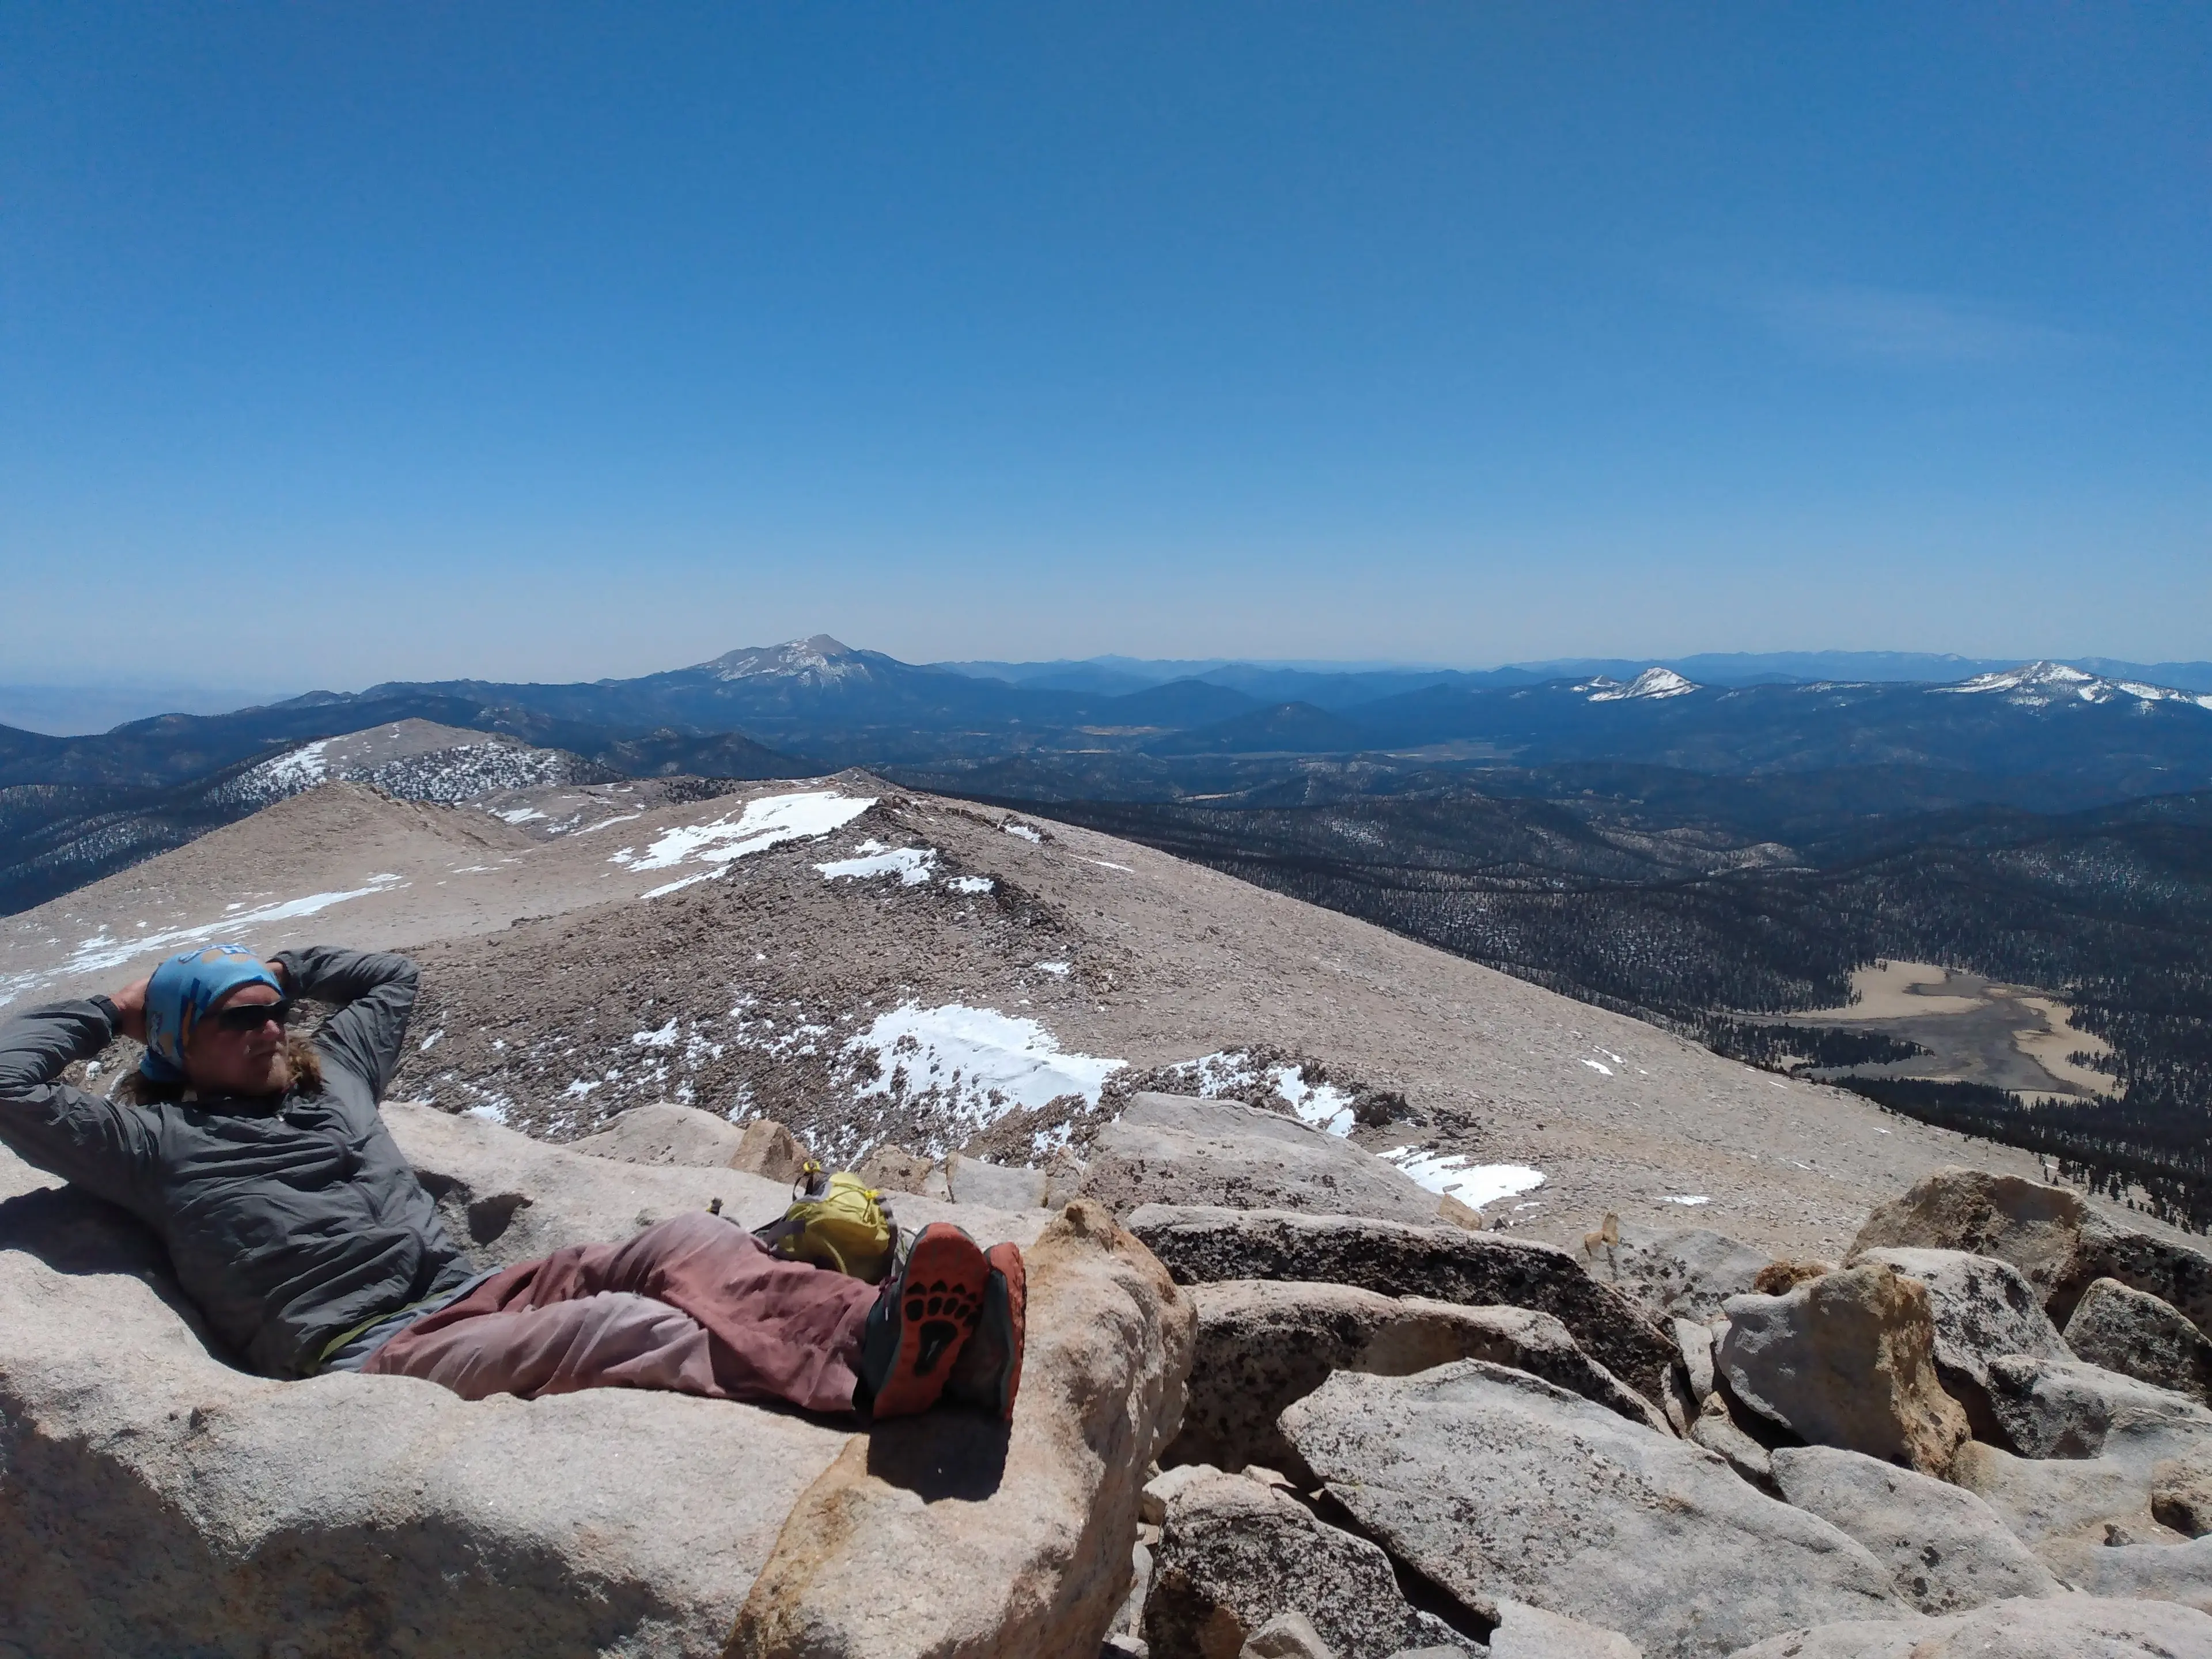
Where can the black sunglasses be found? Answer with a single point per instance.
(251, 1016)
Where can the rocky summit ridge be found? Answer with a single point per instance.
(1380, 1305)
(869, 964)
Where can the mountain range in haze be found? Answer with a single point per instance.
(821, 699)
(1724, 668)
(85, 708)
(824, 702)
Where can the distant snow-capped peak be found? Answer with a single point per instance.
(817, 660)
(2050, 678)
(1651, 682)
(2039, 684)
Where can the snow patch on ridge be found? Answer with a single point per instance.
(449, 775)
(1323, 1105)
(104, 951)
(1449, 1174)
(913, 866)
(979, 1063)
(1237, 1074)
(767, 822)
(291, 774)
(1216, 1076)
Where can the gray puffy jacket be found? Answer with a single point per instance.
(289, 1221)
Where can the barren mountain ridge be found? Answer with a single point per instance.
(870, 965)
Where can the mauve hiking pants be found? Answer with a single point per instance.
(695, 1305)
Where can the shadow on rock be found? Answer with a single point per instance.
(70, 1231)
(939, 1454)
(73, 1232)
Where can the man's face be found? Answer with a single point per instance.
(232, 1052)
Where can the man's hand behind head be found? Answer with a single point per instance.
(131, 1009)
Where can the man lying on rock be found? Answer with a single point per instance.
(260, 1159)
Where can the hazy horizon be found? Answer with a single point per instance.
(88, 703)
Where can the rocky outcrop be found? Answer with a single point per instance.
(661, 1131)
(2038, 1498)
(1527, 1632)
(1173, 1149)
(895, 1170)
(1687, 1272)
(1716, 1429)
(1235, 1554)
(2181, 1493)
(2177, 1274)
(1846, 1359)
(153, 1500)
(1946, 1549)
(1780, 1278)
(2050, 1233)
(1470, 1465)
(1490, 1483)
(2153, 1568)
(1984, 1309)
(1445, 1263)
(2061, 1627)
(996, 1187)
(2149, 1339)
(771, 1151)
(1263, 1344)
(2048, 1501)
(1001, 1544)
(666, 1132)
(2037, 1228)
(1693, 1341)
(2064, 1408)
(1287, 1635)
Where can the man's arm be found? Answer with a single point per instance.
(377, 991)
(95, 1144)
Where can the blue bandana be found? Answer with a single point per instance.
(180, 994)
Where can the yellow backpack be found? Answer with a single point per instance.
(834, 1221)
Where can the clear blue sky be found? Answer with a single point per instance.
(347, 342)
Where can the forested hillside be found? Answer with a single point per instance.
(1692, 924)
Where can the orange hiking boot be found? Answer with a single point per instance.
(921, 1322)
(988, 1372)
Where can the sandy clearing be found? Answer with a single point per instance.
(1893, 990)
(2060, 1038)
(1972, 1024)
